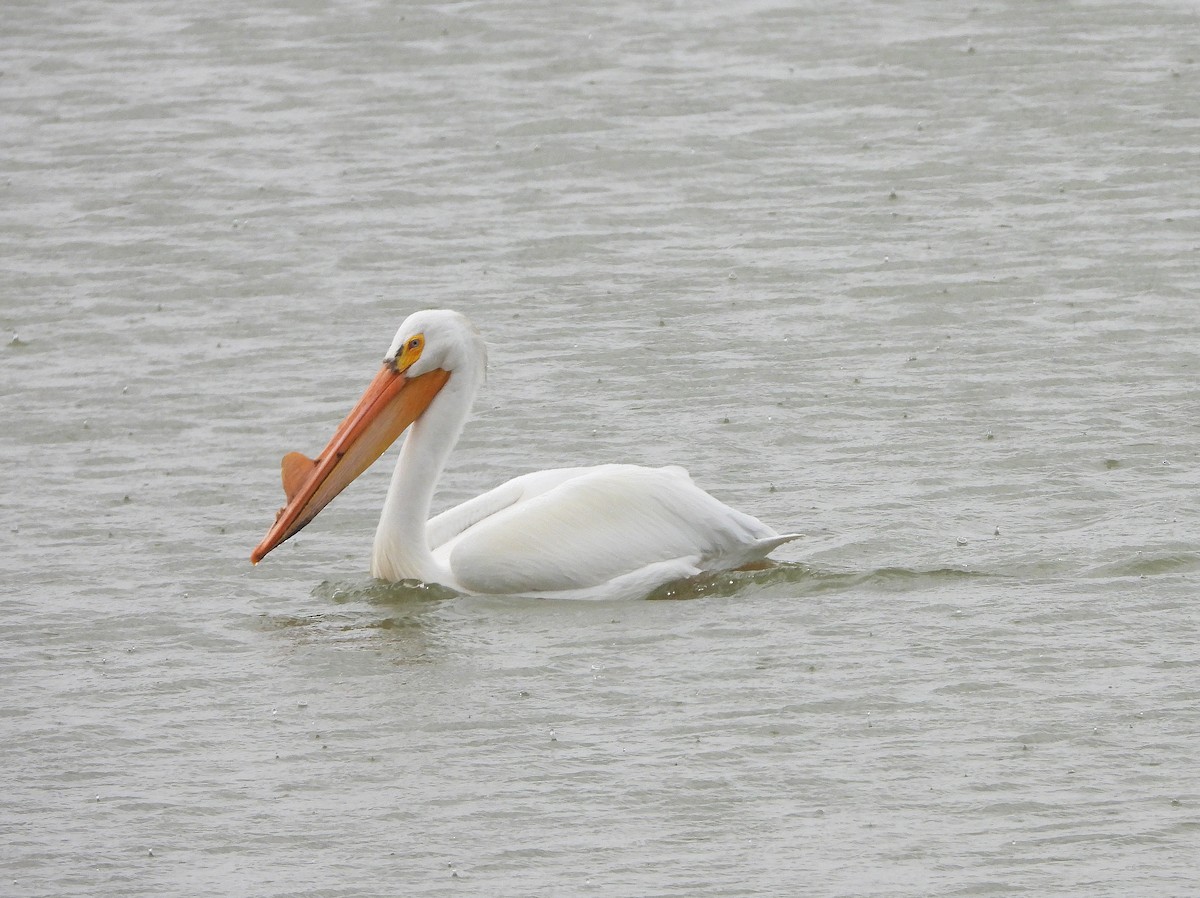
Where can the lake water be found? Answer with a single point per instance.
(919, 280)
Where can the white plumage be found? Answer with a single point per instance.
(610, 531)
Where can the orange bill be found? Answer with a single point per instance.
(390, 404)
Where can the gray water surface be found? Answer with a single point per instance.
(919, 280)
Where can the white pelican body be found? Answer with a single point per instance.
(611, 531)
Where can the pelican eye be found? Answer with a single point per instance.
(410, 352)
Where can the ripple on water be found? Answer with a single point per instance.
(791, 578)
(405, 592)
(360, 611)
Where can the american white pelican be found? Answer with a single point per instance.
(602, 532)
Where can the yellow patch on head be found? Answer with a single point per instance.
(410, 352)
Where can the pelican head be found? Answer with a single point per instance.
(435, 338)
(430, 348)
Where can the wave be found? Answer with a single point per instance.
(803, 579)
(1143, 564)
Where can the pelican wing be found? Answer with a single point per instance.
(596, 525)
(451, 523)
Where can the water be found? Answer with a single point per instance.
(918, 281)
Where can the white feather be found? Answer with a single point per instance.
(607, 531)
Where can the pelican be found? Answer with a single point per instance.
(612, 531)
